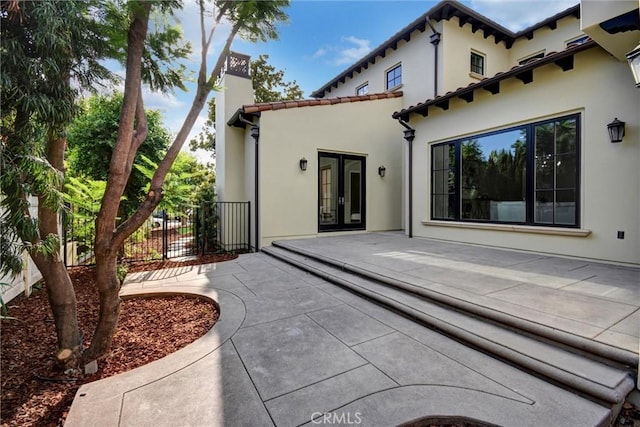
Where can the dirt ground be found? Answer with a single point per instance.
(35, 393)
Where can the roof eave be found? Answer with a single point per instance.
(445, 10)
(486, 83)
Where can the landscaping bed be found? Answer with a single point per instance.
(35, 393)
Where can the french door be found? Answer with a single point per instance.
(341, 192)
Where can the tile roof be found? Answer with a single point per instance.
(563, 59)
(256, 109)
(269, 106)
(445, 10)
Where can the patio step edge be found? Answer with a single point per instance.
(600, 351)
(610, 395)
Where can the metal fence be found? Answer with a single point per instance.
(213, 227)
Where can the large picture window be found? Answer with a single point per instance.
(523, 175)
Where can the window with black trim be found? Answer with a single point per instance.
(477, 63)
(362, 89)
(577, 41)
(524, 175)
(538, 55)
(394, 77)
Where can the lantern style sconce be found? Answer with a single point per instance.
(634, 62)
(616, 130)
(303, 164)
(382, 171)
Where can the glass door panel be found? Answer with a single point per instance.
(353, 188)
(341, 192)
(328, 191)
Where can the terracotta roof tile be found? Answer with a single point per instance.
(279, 105)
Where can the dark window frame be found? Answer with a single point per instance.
(362, 86)
(478, 67)
(530, 183)
(396, 79)
(538, 55)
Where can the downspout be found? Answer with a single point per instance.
(409, 135)
(255, 134)
(434, 38)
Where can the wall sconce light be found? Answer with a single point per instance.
(382, 171)
(634, 63)
(616, 130)
(303, 164)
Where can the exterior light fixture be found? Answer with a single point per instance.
(616, 130)
(634, 63)
(382, 171)
(303, 164)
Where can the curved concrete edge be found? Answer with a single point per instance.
(407, 404)
(107, 394)
(580, 384)
(583, 344)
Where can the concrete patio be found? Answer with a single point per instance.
(391, 344)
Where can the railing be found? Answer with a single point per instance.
(213, 227)
(224, 227)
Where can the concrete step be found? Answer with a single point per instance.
(597, 371)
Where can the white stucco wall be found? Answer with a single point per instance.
(545, 39)
(230, 173)
(289, 196)
(416, 57)
(457, 44)
(600, 88)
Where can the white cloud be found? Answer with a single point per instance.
(350, 50)
(350, 55)
(165, 102)
(319, 53)
(519, 14)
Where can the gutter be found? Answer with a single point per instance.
(409, 135)
(255, 134)
(434, 39)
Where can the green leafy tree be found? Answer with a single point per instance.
(92, 136)
(269, 85)
(183, 184)
(45, 46)
(252, 20)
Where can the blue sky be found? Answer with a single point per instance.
(324, 37)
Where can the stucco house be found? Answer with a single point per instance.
(455, 128)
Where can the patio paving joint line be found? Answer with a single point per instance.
(244, 366)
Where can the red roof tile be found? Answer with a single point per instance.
(272, 106)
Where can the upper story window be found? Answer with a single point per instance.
(526, 59)
(477, 63)
(362, 89)
(577, 41)
(394, 77)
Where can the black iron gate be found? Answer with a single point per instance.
(214, 227)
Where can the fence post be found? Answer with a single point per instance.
(165, 235)
(249, 226)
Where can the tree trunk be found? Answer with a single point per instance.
(62, 297)
(108, 288)
(128, 140)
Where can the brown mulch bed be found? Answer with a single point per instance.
(36, 393)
